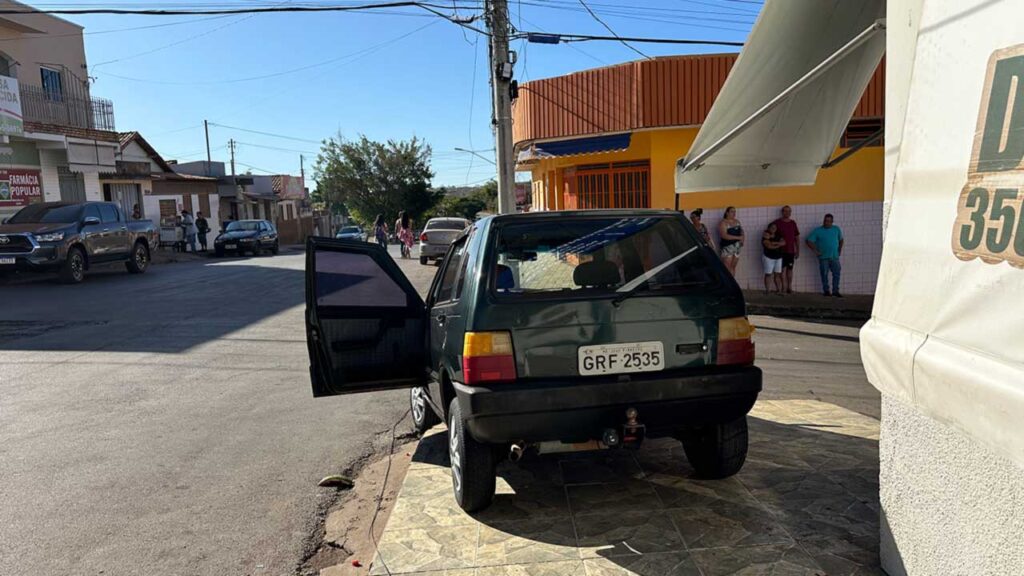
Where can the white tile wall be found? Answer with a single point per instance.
(48, 162)
(861, 223)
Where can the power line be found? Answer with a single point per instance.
(271, 134)
(275, 148)
(609, 28)
(554, 38)
(226, 11)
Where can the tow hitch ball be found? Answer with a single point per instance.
(632, 432)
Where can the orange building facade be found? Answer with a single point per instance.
(610, 138)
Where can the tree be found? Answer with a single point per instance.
(372, 178)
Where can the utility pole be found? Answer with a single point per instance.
(206, 128)
(231, 146)
(501, 105)
(302, 168)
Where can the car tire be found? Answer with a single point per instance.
(218, 252)
(257, 250)
(472, 464)
(719, 450)
(423, 260)
(423, 416)
(276, 249)
(72, 271)
(139, 260)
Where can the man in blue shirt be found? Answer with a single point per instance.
(827, 242)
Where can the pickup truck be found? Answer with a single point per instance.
(70, 238)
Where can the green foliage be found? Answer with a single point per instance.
(371, 178)
(483, 198)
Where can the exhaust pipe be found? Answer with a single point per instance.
(515, 453)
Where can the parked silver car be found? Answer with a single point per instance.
(351, 233)
(437, 235)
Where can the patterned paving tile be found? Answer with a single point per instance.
(724, 523)
(426, 501)
(619, 534)
(666, 564)
(771, 560)
(529, 501)
(527, 542)
(680, 492)
(850, 556)
(769, 483)
(568, 568)
(432, 450)
(601, 468)
(827, 517)
(861, 482)
(425, 549)
(631, 496)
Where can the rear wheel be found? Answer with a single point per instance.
(275, 249)
(423, 417)
(717, 451)
(423, 260)
(139, 261)
(472, 464)
(73, 269)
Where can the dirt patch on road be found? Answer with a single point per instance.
(345, 546)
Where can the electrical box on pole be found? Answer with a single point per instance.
(501, 66)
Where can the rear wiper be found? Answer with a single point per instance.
(633, 286)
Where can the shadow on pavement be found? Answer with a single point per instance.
(806, 502)
(169, 309)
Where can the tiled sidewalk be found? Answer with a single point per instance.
(806, 503)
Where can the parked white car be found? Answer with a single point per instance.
(438, 235)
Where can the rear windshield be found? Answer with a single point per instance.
(239, 225)
(447, 225)
(597, 256)
(48, 214)
(348, 230)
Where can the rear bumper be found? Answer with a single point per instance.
(581, 411)
(433, 250)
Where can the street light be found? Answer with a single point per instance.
(474, 153)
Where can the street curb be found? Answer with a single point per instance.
(812, 313)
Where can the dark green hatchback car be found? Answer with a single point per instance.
(549, 331)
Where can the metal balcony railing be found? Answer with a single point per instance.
(71, 106)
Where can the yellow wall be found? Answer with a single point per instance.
(857, 179)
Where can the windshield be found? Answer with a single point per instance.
(598, 255)
(246, 225)
(349, 230)
(48, 214)
(447, 225)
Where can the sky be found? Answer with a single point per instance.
(388, 74)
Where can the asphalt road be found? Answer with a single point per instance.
(163, 423)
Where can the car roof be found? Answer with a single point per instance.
(562, 214)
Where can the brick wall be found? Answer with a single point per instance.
(71, 131)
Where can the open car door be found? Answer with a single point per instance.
(365, 323)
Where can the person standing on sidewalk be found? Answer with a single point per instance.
(188, 225)
(771, 246)
(827, 243)
(202, 228)
(731, 235)
(380, 231)
(790, 234)
(695, 217)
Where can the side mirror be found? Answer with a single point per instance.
(90, 221)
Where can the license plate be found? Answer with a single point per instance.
(621, 358)
(231, 246)
(6, 260)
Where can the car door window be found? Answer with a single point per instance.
(107, 213)
(355, 280)
(464, 269)
(91, 211)
(446, 288)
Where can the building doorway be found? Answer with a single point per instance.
(71, 184)
(127, 196)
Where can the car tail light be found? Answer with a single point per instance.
(734, 343)
(487, 357)
(423, 237)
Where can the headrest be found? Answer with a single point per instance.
(505, 280)
(596, 273)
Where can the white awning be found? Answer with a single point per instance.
(789, 97)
